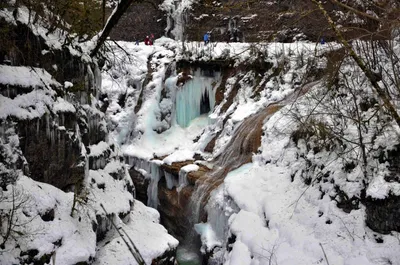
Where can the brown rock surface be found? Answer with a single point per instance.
(266, 20)
(175, 167)
(141, 20)
(173, 209)
(255, 21)
(141, 184)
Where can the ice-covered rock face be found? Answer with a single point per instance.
(253, 210)
(58, 165)
(196, 96)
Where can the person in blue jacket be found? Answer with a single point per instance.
(206, 38)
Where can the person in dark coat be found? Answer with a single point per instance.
(151, 39)
(147, 40)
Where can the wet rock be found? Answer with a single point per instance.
(48, 216)
(383, 216)
(103, 226)
(211, 144)
(141, 19)
(183, 77)
(52, 154)
(141, 184)
(194, 176)
(175, 167)
(173, 209)
(168, 258)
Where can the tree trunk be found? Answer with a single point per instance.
(111, 23)
(103, 6)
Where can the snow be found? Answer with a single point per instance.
(178, 156)
(150, 238)
(53, 39)
(25, 76)
(379, 188)
(40, 235)
(68, 84)
(207, 235)
(277, 222)
(62, 105)
(275, 217)
(98, 149)
(27, 106)
(190, 168)
(146, 143)
(240, 255)
(75, 235)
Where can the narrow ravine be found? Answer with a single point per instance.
(245, 142)
(197, 122)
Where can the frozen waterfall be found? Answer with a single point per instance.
(195, 97)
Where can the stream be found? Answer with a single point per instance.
(187, 256)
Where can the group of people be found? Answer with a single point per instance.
(207, 37)
(147, 41)
(233, 36)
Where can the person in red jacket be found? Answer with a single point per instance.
(147, 40)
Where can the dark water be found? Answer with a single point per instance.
(187, 256)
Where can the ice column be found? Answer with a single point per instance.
(191, 98)
(151, 170)
(152, 191)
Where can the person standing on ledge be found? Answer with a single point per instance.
(206, 38)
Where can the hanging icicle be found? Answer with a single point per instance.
(195, 97)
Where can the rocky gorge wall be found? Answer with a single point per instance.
(57, 160)
(242, 21)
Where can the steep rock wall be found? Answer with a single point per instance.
(244, 21)
(57, 158)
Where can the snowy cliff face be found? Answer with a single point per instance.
(260, 183)
(58, 166)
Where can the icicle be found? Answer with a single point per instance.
(103, 162)
(152, 191)
(37, 127)
(98, 164)
(52, 135)
(153, 172)
(2, 130)
(171, 181)
(91, 79)
(195, 97)
(86, 164)
(47, 125)
(176, 17)
(183, 178)
(83, 97)
(97, 80)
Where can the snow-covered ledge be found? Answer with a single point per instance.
(151, 239)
